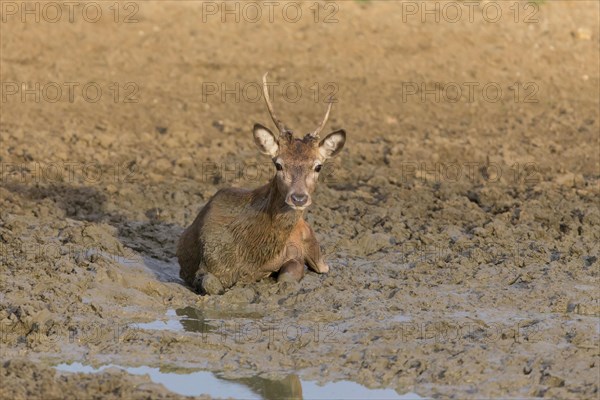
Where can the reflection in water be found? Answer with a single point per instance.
(196, 383)
(209, 320)
(193, 320)
(190, 319)
(288, 388)
(207, 383)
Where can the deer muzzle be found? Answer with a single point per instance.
(298, 200)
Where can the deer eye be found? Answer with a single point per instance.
(278, 166)
(318, 168)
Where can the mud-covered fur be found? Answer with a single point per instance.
(245, 235)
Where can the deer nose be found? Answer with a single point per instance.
(299, 199)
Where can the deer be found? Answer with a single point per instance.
(244, 236)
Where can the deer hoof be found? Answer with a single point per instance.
(208, 284)
(323, 268)
(287, 277)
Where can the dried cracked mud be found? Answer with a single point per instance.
(460, 222)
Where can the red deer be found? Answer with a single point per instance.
(245, 235)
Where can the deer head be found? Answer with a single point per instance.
(297, 161)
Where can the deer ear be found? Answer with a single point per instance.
(333, 143)
(265, 140)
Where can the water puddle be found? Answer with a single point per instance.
(190, 319)
(214, 384)
(172, 324)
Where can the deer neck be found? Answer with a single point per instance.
(266, 225)
(272, 204)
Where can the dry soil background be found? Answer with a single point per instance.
(460, 224)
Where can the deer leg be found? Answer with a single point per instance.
(291, 271)
(312, 252)
(207, 283)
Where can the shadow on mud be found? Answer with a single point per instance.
(155, 241)
(81, 203)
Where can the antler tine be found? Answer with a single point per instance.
(276, 120)
(320, 128)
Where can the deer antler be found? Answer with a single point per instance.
(315, 134)
(276, 120)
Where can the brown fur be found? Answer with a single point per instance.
(245, 235)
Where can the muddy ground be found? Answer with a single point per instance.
(460, 222)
